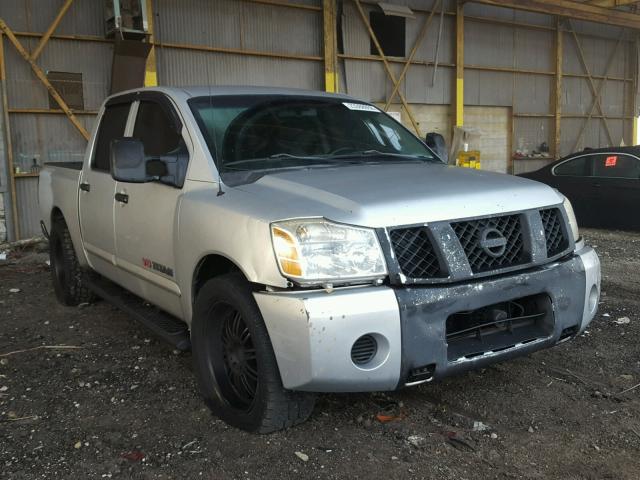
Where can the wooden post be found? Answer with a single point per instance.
(459, 95)
(330, 45)
(50, 30)
(9, 149)
(558, 91)
(386, 65)
(634, 93)
(151, 69)
(43, 78)
(594, 91)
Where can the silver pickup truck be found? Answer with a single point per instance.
(301, 242)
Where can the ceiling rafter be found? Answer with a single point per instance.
(611, 3)
(575, 10)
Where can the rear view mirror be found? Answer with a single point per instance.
(127, 160)
(436, 142)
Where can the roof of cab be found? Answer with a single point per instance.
(203, 91)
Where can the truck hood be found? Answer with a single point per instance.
(384, 195)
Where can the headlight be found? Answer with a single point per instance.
(573, 223)
(316, 251)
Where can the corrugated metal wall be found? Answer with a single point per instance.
(234, 24)
(279, 33)
(492, 46)
(48, 136)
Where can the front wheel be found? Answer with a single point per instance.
(234, 361)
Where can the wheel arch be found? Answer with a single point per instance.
(210, 266)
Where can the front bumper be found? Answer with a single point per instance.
(312, 332)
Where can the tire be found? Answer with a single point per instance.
(234, 363)
(69, 280)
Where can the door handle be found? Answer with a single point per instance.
(85, 187)
(596, 185)
(122, 197)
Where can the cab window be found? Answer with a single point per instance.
(112, 125)
(576, 167)
(617, 166)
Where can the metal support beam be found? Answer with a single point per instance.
(45, 38)
(11, 210)
(43, 78)
(459, 95)
(569, 9)
(387, 67)
(558, 100)
(150, 70)
(330, 45)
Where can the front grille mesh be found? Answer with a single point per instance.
(553, 231)
(470, 233)
(415, 253)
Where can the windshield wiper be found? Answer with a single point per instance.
(367, 154)
(281, 156)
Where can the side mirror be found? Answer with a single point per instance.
(436, 142)
(127, 160)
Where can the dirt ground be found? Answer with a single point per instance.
(123, 405)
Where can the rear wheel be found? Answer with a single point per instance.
(234, 361)
(69, 280)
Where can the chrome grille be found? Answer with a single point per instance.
(554, 233)
(415, 253)
(481, 258)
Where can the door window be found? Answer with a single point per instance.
(162, 141)
(576, 167)
(617, 166)
(112, 125)
(156, 130)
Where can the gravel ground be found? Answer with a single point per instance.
(123, 405)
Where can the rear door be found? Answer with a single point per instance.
(145, 225)
(97, 189)
(617, 177)
(574, 179)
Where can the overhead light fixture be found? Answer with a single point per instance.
(396, 10)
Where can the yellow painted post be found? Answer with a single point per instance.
(150, 70)
(459, 96)
(330, 46)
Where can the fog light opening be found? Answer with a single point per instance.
(370, 351)
(364, 350)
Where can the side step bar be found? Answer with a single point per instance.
(160, 323)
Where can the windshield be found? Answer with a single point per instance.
(252, 133)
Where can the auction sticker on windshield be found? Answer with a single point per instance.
(360, 106)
